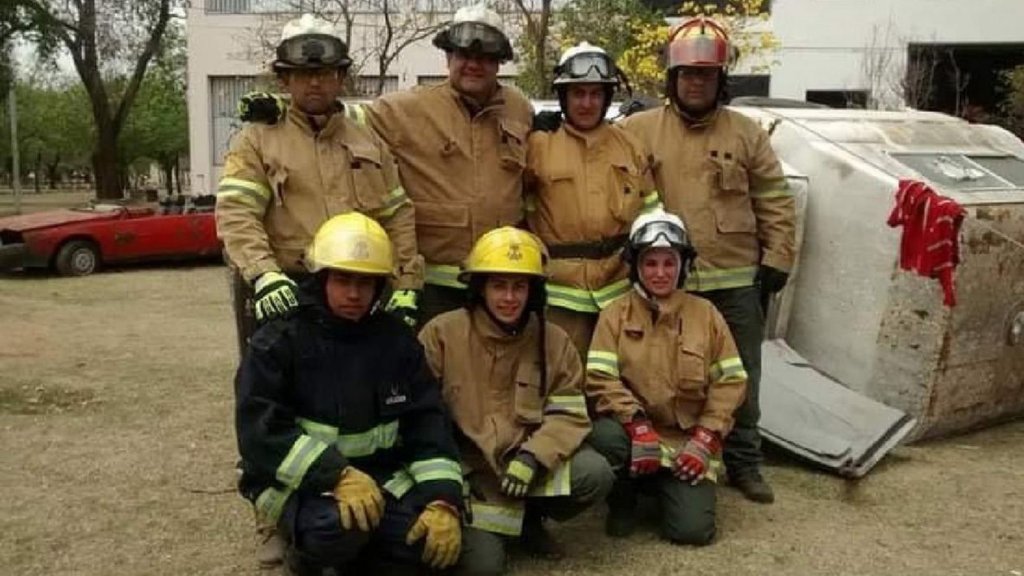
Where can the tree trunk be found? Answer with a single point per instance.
(168, 167)
(105, 163)
(53, 171)
(38, 172)
(177, 173)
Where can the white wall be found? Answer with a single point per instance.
(824, 42)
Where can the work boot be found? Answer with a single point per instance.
(536, 541)
(753, 486)
(270, 547)
(621, 520)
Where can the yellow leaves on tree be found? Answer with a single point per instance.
(753, 42)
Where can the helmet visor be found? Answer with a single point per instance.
(477, 37)
(697, 51)
(598, 66)
(314, 50)
(659, 235)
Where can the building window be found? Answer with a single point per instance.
(429, 80)
(748, 85)
(224, 94)
(258, 6)
(366, 86)
(839, 98)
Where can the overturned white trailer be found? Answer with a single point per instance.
(851, 315)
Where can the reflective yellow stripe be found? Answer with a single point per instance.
(366, 443)
(256, 190)
(572, 299)
(322, 432)
(394, 200)
(436, 469)
(507, 520)
(444, 275)
(530, 203)
(399, 483)
(558, 482)
(728, 369)
(601, 361)
(356, 113)
(611, 292)
(715, 465)
(303, 453)
(270, 503)
(652, 201)
(778, 188)
(574, 404)
(718, 279)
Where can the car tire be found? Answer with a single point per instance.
(78, 258)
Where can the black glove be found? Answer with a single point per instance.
(636, 105)
(547, 121)
(519, 475)
(261, 107)
(771, 279)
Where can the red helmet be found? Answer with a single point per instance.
(699, 41)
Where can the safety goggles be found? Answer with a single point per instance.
(659, 235)
(313, 50)
(477, 37)
(581, 66)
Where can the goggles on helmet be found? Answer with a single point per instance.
(477, 37)
(581, 66)
(313, 50)
(659, 235)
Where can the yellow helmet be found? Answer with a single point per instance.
(505, 250)
(351, 242)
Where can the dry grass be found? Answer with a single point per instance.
(118, 454)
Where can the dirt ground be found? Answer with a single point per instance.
(118, 452)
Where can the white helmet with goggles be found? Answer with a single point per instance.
(310, 42)
(658, 229)
(476, 29)
(586, 64)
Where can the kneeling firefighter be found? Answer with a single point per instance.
(344, 441)
(665, 377)
(513, 384)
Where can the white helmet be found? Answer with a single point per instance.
(658, 229)
(311, 42)
(476, 29)
(586, 64)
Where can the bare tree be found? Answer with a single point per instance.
(534, 70)
(108, 40)
(897, 73)
(401, 23)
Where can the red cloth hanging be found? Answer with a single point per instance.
(931, 231)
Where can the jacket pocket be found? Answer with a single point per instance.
(625, 200)
(443, 230)
(730, 199)
(692, 373)
(529, 405)
(512, 147)
(368, 185)
(278, 178)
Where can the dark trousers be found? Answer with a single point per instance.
(241, 305)
(437, 300)
(687, 511)
(741, 308)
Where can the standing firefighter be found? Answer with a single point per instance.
(586, 183)
(513, 384)
(344, 441)
(716, 169)
(282, 181)
(664, 373)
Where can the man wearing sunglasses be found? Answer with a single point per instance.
(586, 182)
(282, 181)
(716, 169)
(461, 150)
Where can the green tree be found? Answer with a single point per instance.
(106, 39)
(1011, 109)
(609, 24)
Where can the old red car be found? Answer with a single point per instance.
(77, 241)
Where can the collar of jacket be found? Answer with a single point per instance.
(589, 137)
(691, 122)
(659, 309)
(489, 330)
(326, 123)
(472, 107)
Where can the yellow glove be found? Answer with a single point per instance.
(439, 522)
(358, 497)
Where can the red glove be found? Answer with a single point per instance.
(692, 461)
(645, 448)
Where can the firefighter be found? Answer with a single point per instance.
(461, 150)
(513, 385)
(344, 440)
(585, 184)
(716, 169)
(282, 181)
(664, 375)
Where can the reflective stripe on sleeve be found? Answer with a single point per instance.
(605, 362)
(303, 453)
(728, 370)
